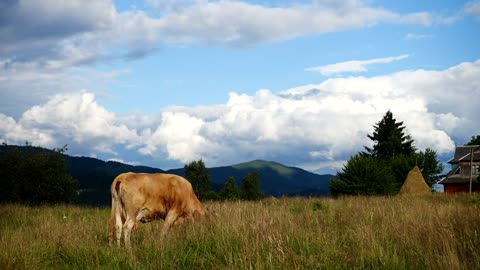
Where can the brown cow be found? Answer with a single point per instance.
(146, 197)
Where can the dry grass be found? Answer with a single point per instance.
(415, 184)
(432, 232)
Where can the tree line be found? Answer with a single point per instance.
(35, 175)
(199, 177)
(382, 168)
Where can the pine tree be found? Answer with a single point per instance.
(390, 139)
(229, 190)
(383, 168)
(251, 187)
(199, 177)
(430, 166)
(474, 141)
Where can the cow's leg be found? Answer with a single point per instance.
(118, 225)
(127, 229)
(169, 221)
(180, 220)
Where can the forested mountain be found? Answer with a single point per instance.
(95, 177)
(275, 179)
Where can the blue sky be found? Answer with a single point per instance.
(162, 83)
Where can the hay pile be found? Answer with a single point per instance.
(415, 184)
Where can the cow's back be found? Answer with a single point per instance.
(159, 193)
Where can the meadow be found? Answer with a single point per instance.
(432, 232)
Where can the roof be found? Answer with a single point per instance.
(462, 154)
(456, 179)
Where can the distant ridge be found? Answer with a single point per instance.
(275, 179)
(95, 177)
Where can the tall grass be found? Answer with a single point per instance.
(433, 232)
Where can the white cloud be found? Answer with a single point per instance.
(235, 23)
(313, 126)
(412, 36)
(44, 43)
(473, 8)
(354, 65)
(61, 34)
(72, 118)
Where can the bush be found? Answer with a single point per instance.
(35, 175)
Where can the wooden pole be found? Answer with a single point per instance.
(471, 168)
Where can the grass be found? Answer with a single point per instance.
(432, 232)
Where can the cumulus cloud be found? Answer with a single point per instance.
(354, 65)
(23, 85)
(45, 44)
(61, 34)
(315, 126)
(74, 118)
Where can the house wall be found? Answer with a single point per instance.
(454, 188)
(465, 169)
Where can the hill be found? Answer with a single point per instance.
(275, 179)
(95, 177)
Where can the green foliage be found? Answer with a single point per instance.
(198, 175)
(364, 175)
(430, 166)
(211, 196)
(251, 187)
(230, 190)
(390, 139)
(474, 141)
(384, 167)
(35, 176)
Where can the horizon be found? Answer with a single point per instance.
(164, 82)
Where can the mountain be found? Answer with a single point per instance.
(275, 179)
(95, 176)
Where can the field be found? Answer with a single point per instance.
(433, 232)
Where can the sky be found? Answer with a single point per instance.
(165, 82)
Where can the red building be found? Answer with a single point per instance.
(458, 179)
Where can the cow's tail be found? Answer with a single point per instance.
(116, 210)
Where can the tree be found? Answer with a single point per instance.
(251, 187)
(35, 175)
(390, 139)
(230, 190)
(430, 166)
(382, 169)
(363, 175)
(474, 141)
(199, 177)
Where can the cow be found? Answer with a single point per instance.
(146, 197)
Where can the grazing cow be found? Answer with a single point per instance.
(146, 197)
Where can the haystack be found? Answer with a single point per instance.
(415, 184)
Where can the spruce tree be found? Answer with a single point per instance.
(251, 187)
(389, 139)
(474, 141)
(382, 169)
(229, 190)
(199, 177)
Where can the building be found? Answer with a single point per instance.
(458, 179)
